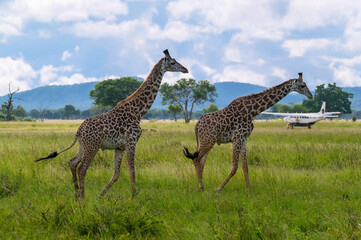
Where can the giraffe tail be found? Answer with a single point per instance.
(54, 154)
(189, 155)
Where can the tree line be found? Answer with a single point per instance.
(180, 97)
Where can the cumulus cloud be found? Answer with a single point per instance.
(220, 16)
(298, 48)
(49, 74)
(232, 54)
(346, 76)
(66, 54)
(138, 29)
(237, 73)
(280, 73)
(16, 71)
(14, 14)
(75, 78)
(345, 71)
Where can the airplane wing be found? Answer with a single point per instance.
(331, 113)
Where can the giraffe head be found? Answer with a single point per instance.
(171, 65)
(300, 86)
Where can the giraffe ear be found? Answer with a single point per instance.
(166, 53)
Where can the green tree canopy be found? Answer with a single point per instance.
(19, 111)
(336, 99)
(186, 93)
(174, 109)
(34, 113)
(109, 92)
(69, 110)
(211, 108)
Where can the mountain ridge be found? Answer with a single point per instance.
(57, 96)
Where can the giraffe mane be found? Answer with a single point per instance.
(266, 90)
(141, 86)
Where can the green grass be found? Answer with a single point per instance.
(305, 184)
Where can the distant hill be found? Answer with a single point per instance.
(55, 97)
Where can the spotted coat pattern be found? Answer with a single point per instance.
(119, 128)
(234, 124)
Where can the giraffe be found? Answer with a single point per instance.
(117, 129)
(234, 124)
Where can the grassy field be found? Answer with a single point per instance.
(306, 184)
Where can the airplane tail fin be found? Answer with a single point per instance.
(323, 108)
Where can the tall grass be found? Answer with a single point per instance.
(305, 184)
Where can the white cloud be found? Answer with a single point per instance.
(67, 10)
(346, 76)
(45, 34)
(138, 29)
(75, 78)
(218, 16)
(237, 73)
(49, 74)
(280, 73)
(16, 71)
(15, 13)
(66, 54)
(232, 54)
(352, 33)
(305, 15)
(298, 48)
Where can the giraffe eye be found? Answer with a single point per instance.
(172, 63)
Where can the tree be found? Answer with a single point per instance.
(187, 93)
(69, 110)
(174, 109)
(19, 111)
(110, 92)
(34, 113)
(335, 98)
(211, 108)
(8, 106)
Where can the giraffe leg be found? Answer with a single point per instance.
(233, 171)
(88, 155)
(118, 156)
(73, 164)
(244, 163)
(199, 169)
(130, 150)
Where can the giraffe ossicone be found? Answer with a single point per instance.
(117, 129)
(234, 124)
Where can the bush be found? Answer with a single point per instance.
(28, 120)
(354, 118)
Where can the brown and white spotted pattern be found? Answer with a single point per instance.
(234, 124)
(118, 129)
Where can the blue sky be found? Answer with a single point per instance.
(261, 42)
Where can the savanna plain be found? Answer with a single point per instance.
(305, 184)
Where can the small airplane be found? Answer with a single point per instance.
(305, 119)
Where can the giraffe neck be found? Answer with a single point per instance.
(143, 98)
(269, 97)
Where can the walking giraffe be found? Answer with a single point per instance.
(234, 124)
(118, 129)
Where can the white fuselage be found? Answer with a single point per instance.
(302, 120)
